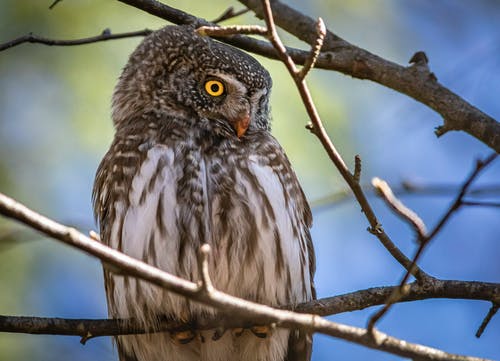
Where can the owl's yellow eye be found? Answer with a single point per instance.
(214, 88)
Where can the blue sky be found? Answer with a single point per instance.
(55, 127)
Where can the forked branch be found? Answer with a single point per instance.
(423, 237)
(238, 307)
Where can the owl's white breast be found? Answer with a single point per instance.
(249, 242)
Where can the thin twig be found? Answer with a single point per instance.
(485, 204)
(493, 310)
(426, 238)
(220, 31)
(204, 283)
(318, 129)
(406, 213)
(232, 305)
(315, 49)
(357, 168)
(104, 36)
(409, 188)
(229, 14)
(480, 165)
(54, 4)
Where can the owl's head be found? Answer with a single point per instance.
(178, 73)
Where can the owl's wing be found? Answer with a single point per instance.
(299, 209)
(299, 341)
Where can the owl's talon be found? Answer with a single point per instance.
(218, 333)
(260, 331)
(183, 337)
(237, 331)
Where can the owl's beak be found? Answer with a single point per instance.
(241, 124)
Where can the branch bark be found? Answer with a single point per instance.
(415, 81)
(337, 54)
(104, 36)
(231, 305)
(358, 300)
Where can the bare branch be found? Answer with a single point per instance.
(204, 284)
(457, 203)
(358, 300)
(418, 83)
(230, 13)
(315, 49)
(409, 188)
(166, 12)
(425, 238)
(493, 310)
(318, 129)
(221, 31)
(54, 4)
(104, 36)
(406, 213)
(238, 307)
(481, 204)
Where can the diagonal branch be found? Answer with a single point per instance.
(339, 55)
(317, 128)
(237, 307)
(425, 238)
(416, 82)
(397, 206)
(316, 125)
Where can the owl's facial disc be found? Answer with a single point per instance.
(230, 101)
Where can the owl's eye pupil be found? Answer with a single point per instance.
(214, 88)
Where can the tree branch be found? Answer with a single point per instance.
(423, 237)
(493, 310)
(400, 209)
(414, 81)
(339, 55)
(237, 307)
(409, 188)
(316, 126)
(229, 13)
(358, 300)
(104, 36)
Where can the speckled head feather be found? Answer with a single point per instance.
(167, 72)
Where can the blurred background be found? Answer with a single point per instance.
(55, 127)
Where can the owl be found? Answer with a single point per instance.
(192, 162)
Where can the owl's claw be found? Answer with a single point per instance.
(237, 331)
(260, 331)
(218, 333)
(183, 337)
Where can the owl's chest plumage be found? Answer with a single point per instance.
(182, 193)
(159, 200)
